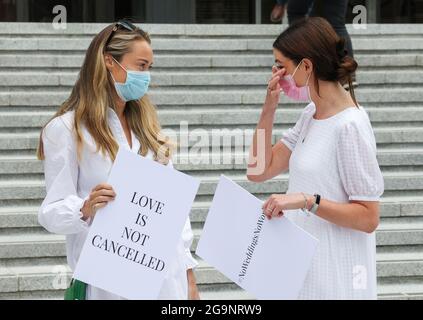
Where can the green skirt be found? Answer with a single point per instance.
(76, 291)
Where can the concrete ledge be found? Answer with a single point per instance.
(35, 189)
(18, 28)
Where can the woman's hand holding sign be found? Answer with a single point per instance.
(98, 198)
(274, 206)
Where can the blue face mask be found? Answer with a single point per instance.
(135, 86)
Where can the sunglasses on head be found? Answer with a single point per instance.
(125, 24)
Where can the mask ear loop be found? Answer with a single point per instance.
(308, 87)
(119, 64)
(111, 74)
(308, 78)
(121, 67)
(115, 82)
(293, 74)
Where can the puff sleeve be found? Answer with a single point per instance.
(357, 163)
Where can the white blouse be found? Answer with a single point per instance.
(69, 184)
(336, 158)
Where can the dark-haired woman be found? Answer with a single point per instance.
(335, 182)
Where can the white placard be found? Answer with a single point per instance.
(267, 258)
(133, 239)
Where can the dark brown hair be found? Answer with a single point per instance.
(315, 39)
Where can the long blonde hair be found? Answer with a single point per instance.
(92, 94)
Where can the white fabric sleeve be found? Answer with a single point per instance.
(357, 163)
(187, 237)
(290, 136)
(60, 211)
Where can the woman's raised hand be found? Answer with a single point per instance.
(274, 88)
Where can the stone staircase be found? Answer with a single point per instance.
(213, 77)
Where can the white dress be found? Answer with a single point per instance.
(68, 184)
(337, 160)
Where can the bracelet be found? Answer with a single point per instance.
(304, 210)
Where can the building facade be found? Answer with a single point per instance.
(191, 11)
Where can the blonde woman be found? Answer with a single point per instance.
(107, 109)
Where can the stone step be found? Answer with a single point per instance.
(200, 78)
(226, 30)
(388, 158)
(80, 43)
(21, 220)
(185, 98)
(32, 246)
(401, 288)
(390, 207)
(400, 234)
(197, 62)
(399, 291)
(34, 278)
(24, 219)
(406, 264)
(394, 181)
(53, 277)
(400, 223)
(379, 116)
(399, 261)
(288, 107)
(225, 292)
(56, 277)
(393, 291)
(34, 261)
(236, 137)
(31, 281)
(396, 236)
(33, 295)
(41, 244)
